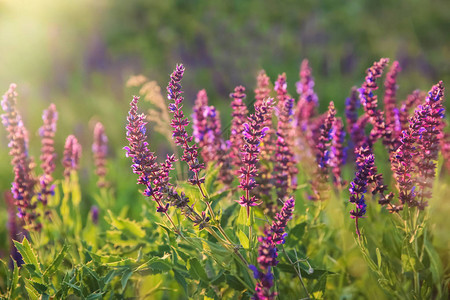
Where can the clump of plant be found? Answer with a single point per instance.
(271, 212)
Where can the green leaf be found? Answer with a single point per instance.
(14, 281)
(234, 283)
(76, 288)
(436, 267)
(410, 261)
(180, 279)
(378, 258)
(210, 178)
(28, 255)
(57, 261)
(127, 226)
(243, 239)
(94, 296)
(39, 287)
(125, 277)
(195, 268)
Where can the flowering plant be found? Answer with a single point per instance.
(263, 213)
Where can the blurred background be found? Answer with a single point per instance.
(79, 54)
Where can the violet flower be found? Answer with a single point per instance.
(351, 110)
(308, 101)
(284, 172)
(338, 152)
(94, 214)
(262, 90)
(390, 91)
(268, 252)
(253, 132)
(216, 149)
(358, 187)
(72, 155)
(280, 88)
(24, 182)
(319, 185)
(179, 123)
(262, 93)
(375, 180)
(278, 227)
(100, 150)
(267, 259)
(404, 167)
(239, 117)
(199, 121)
(412, 101)
(48, 155)
(430, 117)
(370, 103)
(144, 161)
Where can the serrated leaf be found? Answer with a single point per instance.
(28, 255)
(14, 280)
(57, 261)
(32, 293)
(127, 226)
(39, 287)
(181, 281)
(195, 267)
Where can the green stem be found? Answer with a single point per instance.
(299, 275)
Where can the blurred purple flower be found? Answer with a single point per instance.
(100, 150)
(48, 155)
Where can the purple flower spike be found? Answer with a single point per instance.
(268, 252)
(100, 150)
(319, 185)
(252, 132)
(48, 155)
(199, 118)
(239, 118)
(24, 182)
(262, 90)
(413, 100)
(72, 154)
(279, 224)
(428, 138)
(284, 172)
(370, 103)
(358, 187)
(179, 123)
(308, 101)
(390, 91)
(338, 152)
(153, 176)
